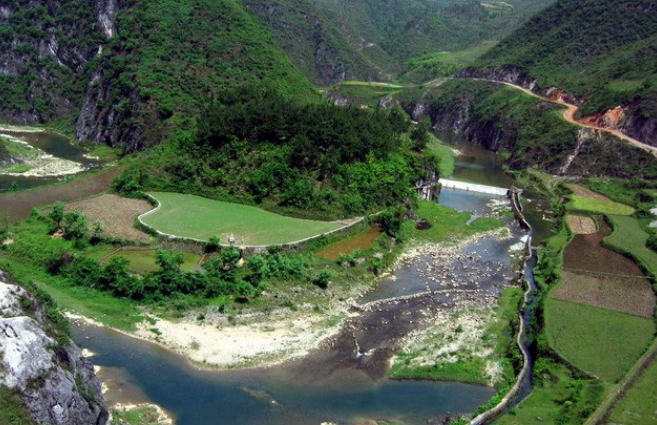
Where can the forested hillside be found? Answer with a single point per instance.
(600, 51)
(133, 73)
(337, 40)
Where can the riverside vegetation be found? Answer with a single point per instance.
(229, 117)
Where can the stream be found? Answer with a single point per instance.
(343, 381)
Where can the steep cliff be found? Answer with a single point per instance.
(43, 371)
(45, 48)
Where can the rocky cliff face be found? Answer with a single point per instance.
(45, 49)
(534, 137)
(56, 383)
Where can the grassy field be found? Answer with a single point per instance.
(601, 342)
(201, 218)
(100, 306)
(116, 215)
(144, 261)
(629, 237)
(361, 241)
(448, 224)
(365, 93)
(445, 155)
(558, 398)
(639, 404)
(582, 203)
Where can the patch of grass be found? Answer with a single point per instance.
(581, 203)
(12, 410)
(500, 335)
(444, 154)
(100, 253)
(19, 168)
(201, 218)
(365, 93)
(638, 405)
(470, 371)
(558, 398)
(447, 224)
(601, 342)
(100, 306)
(629, 237)
(145, 415)
(144, 261)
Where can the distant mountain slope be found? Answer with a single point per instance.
(602, 52)
(132, 72)
(337, 40)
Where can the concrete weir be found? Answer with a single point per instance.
(472, 187)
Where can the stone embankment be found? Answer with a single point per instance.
(57, 384)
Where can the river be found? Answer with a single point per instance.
(51, 143)
(337, 383)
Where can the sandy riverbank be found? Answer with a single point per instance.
(263, 339)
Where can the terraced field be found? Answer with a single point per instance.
(200, 218)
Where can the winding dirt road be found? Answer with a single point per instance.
(569, 115)
(571, 111)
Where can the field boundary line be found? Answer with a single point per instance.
(619, 390)
(356, 220)
(571, 269)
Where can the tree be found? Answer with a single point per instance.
(420, 137)
(74, 225)
(323, 278)
(213, 245)
(57, 215)
(97, 232)
(391, 222)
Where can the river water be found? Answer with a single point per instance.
(344, 381)
(51, 143)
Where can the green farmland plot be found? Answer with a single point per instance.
(639, 404)
(601, 342)
(583, 203)
(201, 218)
(629, 237)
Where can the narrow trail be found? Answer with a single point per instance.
(571, 111)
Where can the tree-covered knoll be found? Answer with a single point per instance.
(254, 146)
(604, 51)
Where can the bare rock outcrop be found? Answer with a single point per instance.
(57, 384)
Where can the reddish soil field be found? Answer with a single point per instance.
(361, 241)
(586, 253)
(116, 214)
(623, 294)
(18, 205)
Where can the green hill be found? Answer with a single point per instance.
(603, 52)
(337, 40)
(147, 70)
